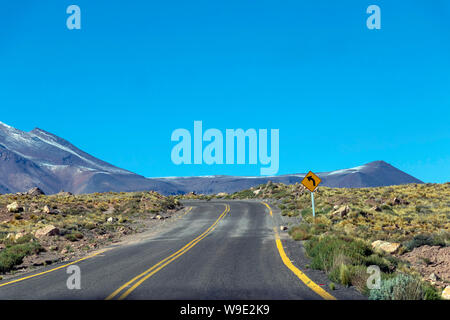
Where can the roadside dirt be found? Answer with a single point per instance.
(432, 262)
(139, 230)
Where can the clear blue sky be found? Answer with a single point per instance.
(340, 94)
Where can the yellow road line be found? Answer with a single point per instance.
(170, 258)
(303, 277)
(51, 270)
(268, 207)
(151, 271)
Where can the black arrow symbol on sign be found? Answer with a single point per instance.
(312, 179)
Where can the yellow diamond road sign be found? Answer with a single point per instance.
(311, 181)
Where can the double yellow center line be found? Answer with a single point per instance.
(131, 285)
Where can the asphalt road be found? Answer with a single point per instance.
(219, 250)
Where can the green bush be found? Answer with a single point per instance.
(74, 236)
(300, 232)
(342, 274)
(13, 255)
(402, 287)
(304, 231)
(324, 250)
(425, 239)
(244, 194)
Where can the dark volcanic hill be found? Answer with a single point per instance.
(373, 174)
(41, 159)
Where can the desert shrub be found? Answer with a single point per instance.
(304, 231)
(306, 211)
(402, 287)
(13, 255)
(385, 264)
(359, 278)
(300, 232)
(342, 274)
(244, 194)
(422, 209)
(169, 203)
(323, 250)
(430, 293)
(440, 239)
(74, 236)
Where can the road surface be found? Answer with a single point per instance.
(218, 250)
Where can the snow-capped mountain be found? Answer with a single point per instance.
(41, 159)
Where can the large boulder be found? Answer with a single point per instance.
(388, 247)
(14, 207)
(446, 293)
(49, 210)
(49, 230)
(342, 211)
(35, 192)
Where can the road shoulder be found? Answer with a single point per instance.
(296, 253)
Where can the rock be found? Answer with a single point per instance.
(283, 228)
(335, 207)
(342, 211)
(111, 220)
(446, 293)
(64, 193)
(39, 259)
(397, 201)
(385, 246)
(376, 208)
(46, 231)
(35, 192)
(222, 194)
(15, 237)
(49, 210)
(14, 207)
(19, 235)
(433, 277)
(159, 217)
(256, 192)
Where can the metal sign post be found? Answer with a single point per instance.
(311, 182)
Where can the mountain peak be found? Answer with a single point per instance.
(378, 163)
(7, 127)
